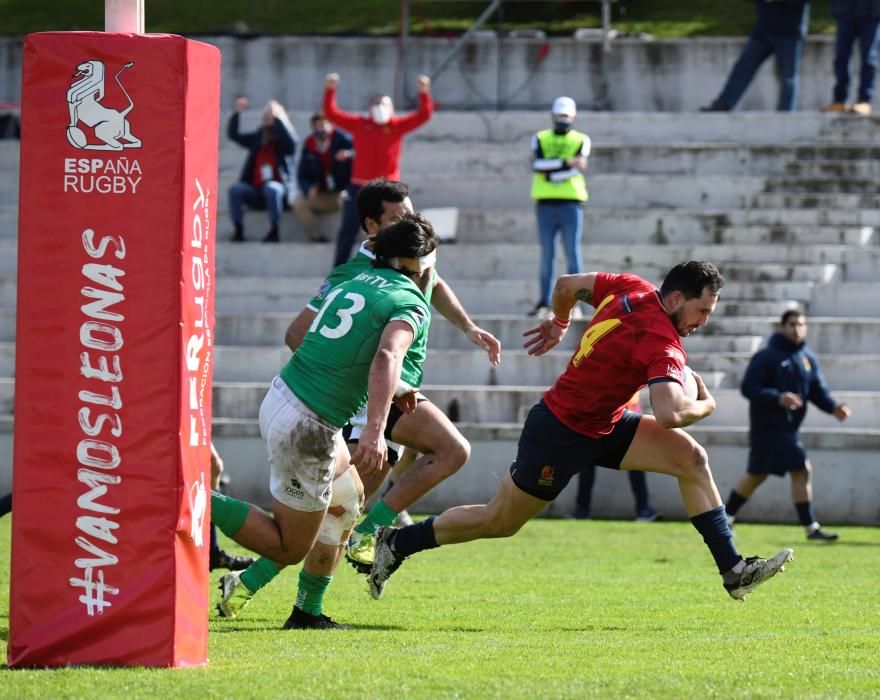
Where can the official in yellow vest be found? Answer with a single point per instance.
(559, 159)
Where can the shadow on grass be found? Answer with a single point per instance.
(226, 629)
(840, 543)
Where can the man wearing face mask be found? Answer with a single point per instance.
(265, 180)
(323, 174)
(559, 159)
(378, 137)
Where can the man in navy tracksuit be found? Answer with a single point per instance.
(778, 383)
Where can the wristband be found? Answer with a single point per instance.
(562, 323)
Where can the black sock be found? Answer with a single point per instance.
(734, 502)
(712, 525)
(5, 504)
(805, 513)
(415, 538)
(215, 546)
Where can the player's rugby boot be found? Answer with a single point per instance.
(301, 620)
(756, 571)
(360, 551)
(235, 595)
(221, 559)
(823, 535)
(387, 561)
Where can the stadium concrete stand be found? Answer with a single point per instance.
(786, 205)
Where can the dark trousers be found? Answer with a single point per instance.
(850, 30)
(638, 483)
(348, 228)
(758, 49)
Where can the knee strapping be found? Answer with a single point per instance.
(348, 493)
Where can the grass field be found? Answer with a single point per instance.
(563, 610)
(661, 18)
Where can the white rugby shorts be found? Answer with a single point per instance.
(302, 450)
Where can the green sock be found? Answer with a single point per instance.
(380, 514)
(228, 513)
(310, 594)
(259, 574)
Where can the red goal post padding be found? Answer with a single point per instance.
(114, 350)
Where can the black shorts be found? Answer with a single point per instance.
(351, 433)
(777, 454)
(550, 453)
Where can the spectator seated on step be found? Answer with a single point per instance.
(323, 174)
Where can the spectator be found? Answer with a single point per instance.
(780, 30)
(559, 159)
(778, 383)
(638, 484)
(323, 174)
(377, 141)
(856, 19)
(265, 180)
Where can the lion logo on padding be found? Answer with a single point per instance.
(198, 504)
(110, 126)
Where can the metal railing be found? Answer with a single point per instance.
(403, 92)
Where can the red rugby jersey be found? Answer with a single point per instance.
(629, 342)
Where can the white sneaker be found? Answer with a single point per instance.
(756, 571)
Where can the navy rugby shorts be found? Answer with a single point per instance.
(550, 453)
(777, 454)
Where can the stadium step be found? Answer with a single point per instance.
(822, 184)
(786, 200)
(835, 168)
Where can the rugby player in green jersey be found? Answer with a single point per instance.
(352, 351)
(427, 430)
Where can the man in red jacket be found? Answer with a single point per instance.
(377, 141)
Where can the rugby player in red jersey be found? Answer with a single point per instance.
(633, 340)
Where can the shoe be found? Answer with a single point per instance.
(221, 559)
(403, 519)
(238, 236)
(580, 513)
(272, 236)
(648, 515)
(235, 595)
(823, 535)
(360, 551)
(863, 109)
(541, 310)
(386, 563)
(715, 106)
(835, 107)
(731, 519)
(756, 571)
(301, 620)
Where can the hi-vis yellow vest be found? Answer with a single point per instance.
(560, 146)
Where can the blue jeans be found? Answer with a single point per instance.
(848, 30)
(349, 227)
(758, 49)
(553, 219)
(269, 197)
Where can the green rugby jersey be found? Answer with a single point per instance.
(330, 371)
(363, 262)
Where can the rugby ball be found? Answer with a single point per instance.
(690, 384)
